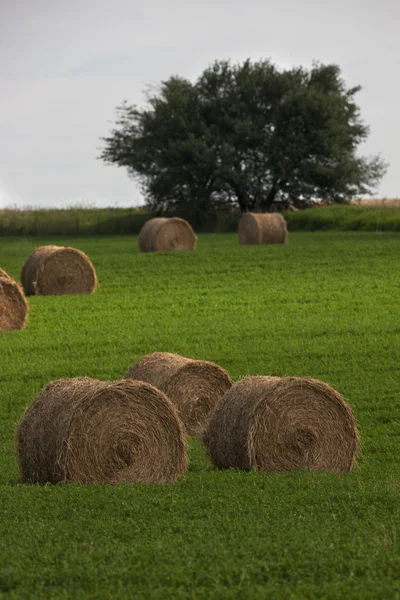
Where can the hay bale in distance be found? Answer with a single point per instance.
(13, 305)
(167, 235)
(92, 431)
(195, 387)
(282, 424)
(55, 270)
(262, 228)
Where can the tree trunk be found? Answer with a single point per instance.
(243, 199)
(265, 204)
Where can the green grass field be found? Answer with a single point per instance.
(326, 306)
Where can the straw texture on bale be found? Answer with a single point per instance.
(194, 386)
(13, 305)
(167, 235)
(282, 424)
(262, 228)
(92, 431)
(4, 275)
(55, 270)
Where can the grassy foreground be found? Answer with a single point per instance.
(326, 305)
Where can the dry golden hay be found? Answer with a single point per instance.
(195, 387)
(92, 431)
(55, 270)
(282, 424)
(167, 235)
(13, 305)
(262, 228)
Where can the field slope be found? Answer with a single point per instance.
(326, 306)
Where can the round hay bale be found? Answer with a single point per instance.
(262, 228)
(167, 235)
(157, 368)
(92, 431)
(195, 387)
(282, 424)
(55, 270)
(13, 305)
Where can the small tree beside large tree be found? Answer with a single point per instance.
(246, 135)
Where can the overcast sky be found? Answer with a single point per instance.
(65, 66)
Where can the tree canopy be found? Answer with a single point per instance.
(245, 135)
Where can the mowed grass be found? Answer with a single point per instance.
(326, 306)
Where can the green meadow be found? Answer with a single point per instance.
(327, 306)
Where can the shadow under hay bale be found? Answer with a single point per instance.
(262, 228)
(91, 431)
(167, 235)
(282, 424)
(195, 387)
(13, 305)
(55, 270)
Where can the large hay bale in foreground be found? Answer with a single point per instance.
(90, 431)
(167, 235)
(194, 386)
(55, 270)
(282, 424)
(13, 305)
(262, 228)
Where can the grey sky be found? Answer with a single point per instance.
(64, 67)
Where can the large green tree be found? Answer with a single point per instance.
(245, 135)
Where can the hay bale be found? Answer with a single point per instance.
(92, 431)
(157, 368)
(262, 228)
(167, 235)
(55, 270)
(195, 387)
(282, 424)
(13, 305)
